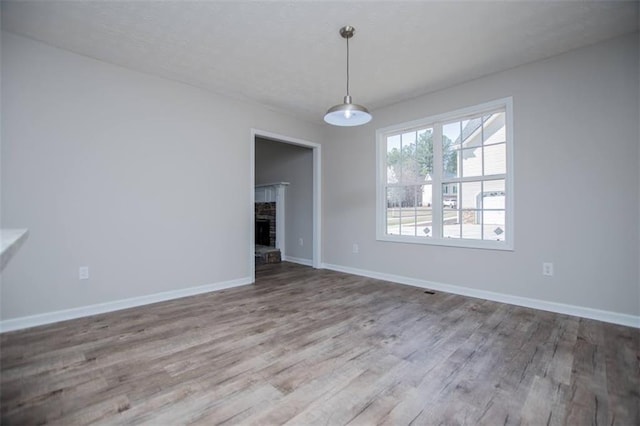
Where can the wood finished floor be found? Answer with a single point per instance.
(308, 347)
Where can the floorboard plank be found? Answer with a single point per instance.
(305, 346)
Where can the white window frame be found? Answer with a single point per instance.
(437, 121)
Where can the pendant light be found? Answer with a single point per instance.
(347, 113)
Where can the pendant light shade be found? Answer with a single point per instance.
(347, 113)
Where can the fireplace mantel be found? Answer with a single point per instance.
(268, 192)
(262, 185)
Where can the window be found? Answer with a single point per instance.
(447, 179)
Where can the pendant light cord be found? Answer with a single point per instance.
(347, 66)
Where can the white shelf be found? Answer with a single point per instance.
(11, 240)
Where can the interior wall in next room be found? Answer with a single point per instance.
(282, 162)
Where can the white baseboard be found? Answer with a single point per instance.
(85, 311)
(67, 314)
(306, 262)
(560, 308)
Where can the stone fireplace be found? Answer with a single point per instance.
(265, 225)
(269, 222)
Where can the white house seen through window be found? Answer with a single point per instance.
(448, 179)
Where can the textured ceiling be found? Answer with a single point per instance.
(289, 55)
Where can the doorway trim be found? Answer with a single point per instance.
(317, 191)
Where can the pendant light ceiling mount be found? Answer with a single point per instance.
(347, 113)
(347, 31)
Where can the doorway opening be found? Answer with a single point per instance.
(285, 183)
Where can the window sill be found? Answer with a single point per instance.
(449, 242)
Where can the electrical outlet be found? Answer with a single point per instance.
(300, 242)
(356, 248)
(83, 273)
(547, 269)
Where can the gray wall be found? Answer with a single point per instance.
(576, 185)
(144, 180)
(281, 162)
(126, 172)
